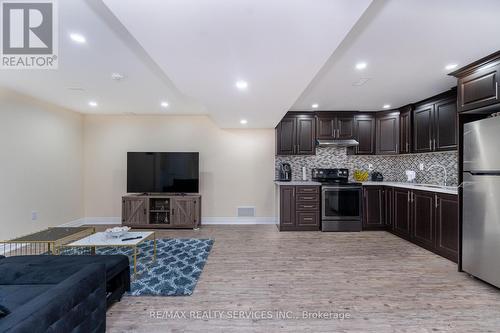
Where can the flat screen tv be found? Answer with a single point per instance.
(162, 172)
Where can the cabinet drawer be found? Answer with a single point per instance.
(307, 189)
(307, 219)
(313, 197)
(313, 206)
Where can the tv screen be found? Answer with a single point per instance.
(162, 172)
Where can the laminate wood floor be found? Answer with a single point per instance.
(381, 282)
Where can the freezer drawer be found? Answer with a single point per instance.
(481, 227)
(481, 140)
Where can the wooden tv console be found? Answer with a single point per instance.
(161, 210)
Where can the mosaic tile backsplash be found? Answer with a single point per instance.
(393, 167)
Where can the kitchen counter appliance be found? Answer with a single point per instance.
(285, 172)
(481, 193)
(340, 200)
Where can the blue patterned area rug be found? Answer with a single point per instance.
(178, 266)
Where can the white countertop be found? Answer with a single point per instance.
(297, 183)
(412, 186)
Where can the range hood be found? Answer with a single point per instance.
(337, 143)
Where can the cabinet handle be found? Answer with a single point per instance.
(435, 201)
(307, 206)
(307, 218)
(434, 144)
(397, 150)
(407, 147)
(412, 196)
(307, 198)
(430, 144)
(408, 196)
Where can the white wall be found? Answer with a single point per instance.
(236, 166)
(41, 159)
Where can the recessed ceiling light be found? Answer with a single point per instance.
(361, 65)
(315, 106)
(117, 76)
(77, 38)
(451, 66)
(386, 106)
(241, 85)
(243, 121)
(164, 104)
(93, 104)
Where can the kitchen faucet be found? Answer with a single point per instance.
(444, 169)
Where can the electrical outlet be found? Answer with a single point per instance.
(421, 166)
(370, 166)
(34, 216)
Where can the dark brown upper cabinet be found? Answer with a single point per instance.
(387, 133)
(296, 135)
(435, 125)
(335, 125)
(405, 130)
(364, 132)
(478, 84)
(422, 128)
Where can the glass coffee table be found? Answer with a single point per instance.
(48, 241)
(131, 239)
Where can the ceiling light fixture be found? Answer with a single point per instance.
(164, 104)
(315, 106)
(93, 104)
(451, 66)
(241, 85)
(361, 65)
(386, 106)
(78, 38)
(243, 121)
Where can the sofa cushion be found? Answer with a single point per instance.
(13, 296)
(30, 269)
(3, 311)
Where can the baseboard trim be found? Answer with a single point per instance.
(238, 220)
(204, 221)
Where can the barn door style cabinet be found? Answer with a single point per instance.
(161, 211)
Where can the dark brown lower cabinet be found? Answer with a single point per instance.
(422, 231)
(402, 212)
(425, 218)
(373, 208)
(299, 208)
(447, 226)
(389, 208)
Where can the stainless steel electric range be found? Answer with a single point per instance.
(341, 208)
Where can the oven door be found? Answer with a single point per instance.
(341, 203)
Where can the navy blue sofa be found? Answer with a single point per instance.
(60, 293)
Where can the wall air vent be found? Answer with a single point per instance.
(246, 211)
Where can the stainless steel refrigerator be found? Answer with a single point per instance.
(481, 200)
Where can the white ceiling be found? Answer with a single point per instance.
(89, 66)
(293, 53)
(406, 45)
(206, 46)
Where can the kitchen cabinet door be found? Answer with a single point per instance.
(364, 129)
(306, 136)
(479, 88)
(447, 226)
(405, 138)
(345, 127)
(422, 231)
(285, 136)
(389, 208)
(423, 119)
(387, 133)
(325, 127)
(402, 212)
(287, 206)
(373, 208)
(446, 125)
